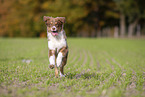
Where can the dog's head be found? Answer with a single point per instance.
(54, 25)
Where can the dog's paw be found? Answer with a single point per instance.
(61, 75)
(51, 66)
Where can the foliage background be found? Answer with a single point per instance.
(86, 18)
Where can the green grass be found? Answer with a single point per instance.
(95, 67)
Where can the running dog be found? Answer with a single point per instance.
(57, 43)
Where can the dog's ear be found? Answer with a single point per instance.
(62, 19)
(45, 18)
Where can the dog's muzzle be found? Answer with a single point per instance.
(54, 31)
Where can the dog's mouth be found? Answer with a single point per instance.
(54, 33)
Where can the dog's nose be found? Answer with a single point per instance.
(53, 28)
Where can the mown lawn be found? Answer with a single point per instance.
(95, 67)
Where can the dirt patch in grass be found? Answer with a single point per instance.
(13, 86)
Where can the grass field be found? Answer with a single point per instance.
(96, 67)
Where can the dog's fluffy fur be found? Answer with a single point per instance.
(57, 44)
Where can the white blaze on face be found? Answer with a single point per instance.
(53, 28)
(54, 31)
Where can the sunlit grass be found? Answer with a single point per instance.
(95, 67)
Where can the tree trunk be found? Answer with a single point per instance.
(131, 28)
(138, 33)
(122, 25)
(93, 33)
(99, 31)
(116, 34)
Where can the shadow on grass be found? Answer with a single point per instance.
(82, 75)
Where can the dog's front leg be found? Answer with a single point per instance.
(51, 59)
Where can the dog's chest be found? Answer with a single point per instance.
(56, 43)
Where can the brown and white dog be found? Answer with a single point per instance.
(57, 44)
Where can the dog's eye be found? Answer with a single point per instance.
(56, 25)
(49, 25)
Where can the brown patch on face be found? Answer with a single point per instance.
(62, 19)
(52, 23)
(51, 53)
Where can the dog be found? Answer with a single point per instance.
(57, 43)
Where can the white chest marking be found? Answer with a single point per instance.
(56, 42)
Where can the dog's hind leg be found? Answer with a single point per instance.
(56, 69)
(56, 72)
(61, 72)
(62, 59)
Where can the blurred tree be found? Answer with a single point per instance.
(121, 5)
(21, 18)
(5, 10)
(72, 9)
(136, 11)
(133, 10)
(83, 18)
